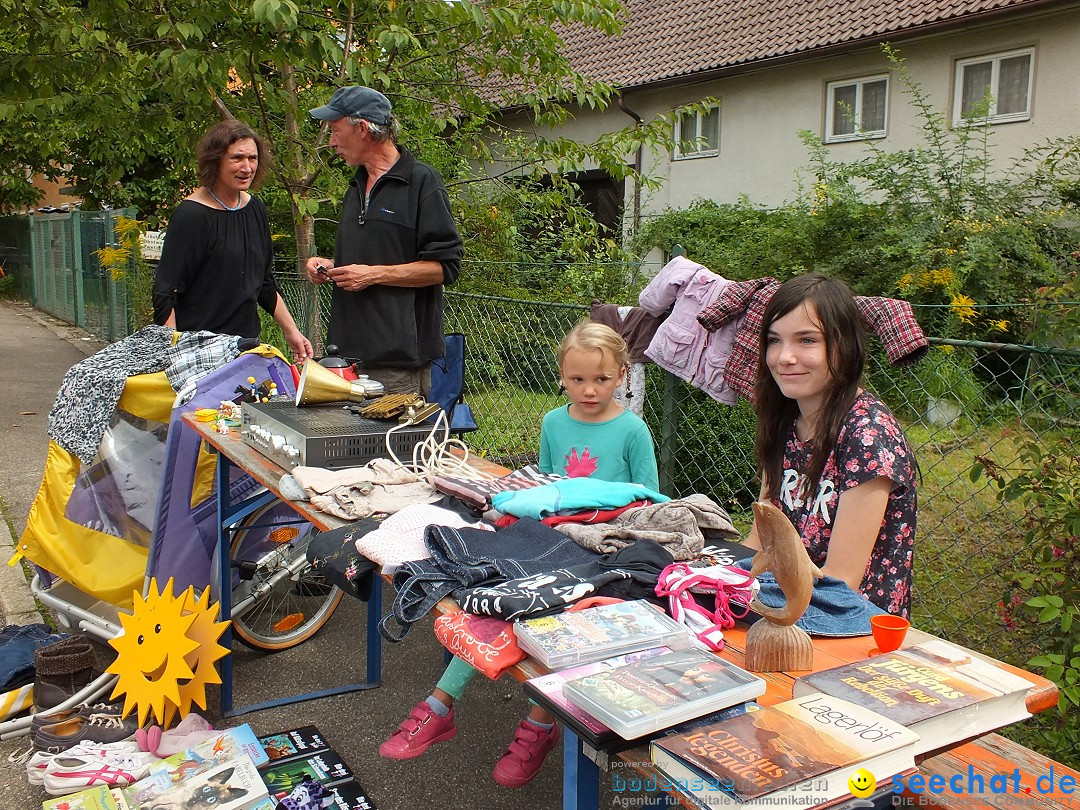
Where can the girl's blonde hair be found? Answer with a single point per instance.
(590, 336)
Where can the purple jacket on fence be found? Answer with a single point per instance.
(681, 345)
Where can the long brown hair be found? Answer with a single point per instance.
(845, 349)
(215, 143)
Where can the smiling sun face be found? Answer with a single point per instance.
(205, 632)
(150, 654)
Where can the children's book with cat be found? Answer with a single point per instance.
(234, 785)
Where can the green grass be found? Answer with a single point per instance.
(509, 420)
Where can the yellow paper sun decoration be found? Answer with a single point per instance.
(166, 654)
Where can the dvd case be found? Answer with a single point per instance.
(650, 694)
(584, 636)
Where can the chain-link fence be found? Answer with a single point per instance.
(965, 401)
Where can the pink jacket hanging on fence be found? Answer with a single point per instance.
(681, 345)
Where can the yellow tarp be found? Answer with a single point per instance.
(99, 564)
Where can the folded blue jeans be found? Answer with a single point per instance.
(465, 558)
(17, 645)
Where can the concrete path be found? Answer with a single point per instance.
(35, 353)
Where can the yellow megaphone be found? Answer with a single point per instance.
(318, 384)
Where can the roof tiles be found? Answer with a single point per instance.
(672, 38)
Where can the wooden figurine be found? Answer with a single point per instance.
(774, 643)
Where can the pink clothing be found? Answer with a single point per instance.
(681, 345)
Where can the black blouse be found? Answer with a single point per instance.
(215, 267)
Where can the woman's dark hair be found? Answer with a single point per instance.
(845, 346)
(216, 142)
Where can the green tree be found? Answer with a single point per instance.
(123, 87)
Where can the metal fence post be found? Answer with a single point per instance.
(78, 294)
(669, 431)
(35, 264)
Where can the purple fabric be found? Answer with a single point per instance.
(184, 540)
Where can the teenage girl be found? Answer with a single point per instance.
(830, 454)
(592, 435)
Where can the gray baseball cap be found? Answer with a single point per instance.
(357, 102)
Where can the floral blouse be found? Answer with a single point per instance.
(870, 444)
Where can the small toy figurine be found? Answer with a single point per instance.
(254, 389)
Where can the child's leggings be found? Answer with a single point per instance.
(457, 675)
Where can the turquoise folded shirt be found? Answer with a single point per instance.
(572, 494)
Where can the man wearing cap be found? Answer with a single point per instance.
(397, 245)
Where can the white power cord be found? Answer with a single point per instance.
(432, 456)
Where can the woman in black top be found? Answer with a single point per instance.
(217, 263)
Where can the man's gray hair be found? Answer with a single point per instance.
(380, 132)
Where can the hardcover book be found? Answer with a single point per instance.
(349, 796)
(95, 798)
(643, 696)
(583, 636)
(235, 785)
(324, 766)
(942, 692)
(293, 743)
(801, 752)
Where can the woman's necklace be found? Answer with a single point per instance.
(217, 199)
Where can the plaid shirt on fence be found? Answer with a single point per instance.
(891, 319)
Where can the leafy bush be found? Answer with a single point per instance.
(1045, 483)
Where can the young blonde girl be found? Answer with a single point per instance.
(592, 435)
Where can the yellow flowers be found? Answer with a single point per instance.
(963, 308)
(115, 260)
(927, 279)
(999, 325)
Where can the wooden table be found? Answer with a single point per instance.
(580, 772)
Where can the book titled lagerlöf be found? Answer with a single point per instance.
(942, 692)
(802, 752)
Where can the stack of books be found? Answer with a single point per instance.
(868, 718)
(634, 674)
(302, 754)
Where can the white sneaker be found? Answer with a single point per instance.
(69, 773)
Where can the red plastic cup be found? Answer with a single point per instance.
(889, 631)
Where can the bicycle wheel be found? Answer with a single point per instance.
(289, 602)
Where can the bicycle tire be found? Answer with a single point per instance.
(296, 607)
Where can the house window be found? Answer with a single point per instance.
(856, 109)
(995, 88)
(697, 134)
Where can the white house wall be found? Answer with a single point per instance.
(761, 112)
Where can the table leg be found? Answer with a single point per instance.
(227, 514)
(581, 777)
